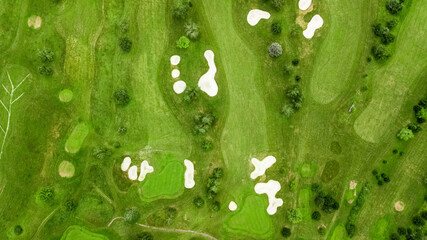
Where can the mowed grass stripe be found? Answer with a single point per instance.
(164, 130)
(394, 81)
(244, 132)
(338, 54)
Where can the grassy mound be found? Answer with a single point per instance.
(80, 233)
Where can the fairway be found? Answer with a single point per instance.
(213, 119)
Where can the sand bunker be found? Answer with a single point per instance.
(262, 166)
(175, 59)
(270, 188)
(232, 206)
(399, 206)
(66, 169)
(133, 173)
(315, 23)
(175, 73)
(34, 21)
(179, 87)
(353, 185)
(189, 174)
(207, 82)
(304, 4)
(145, 169)
(255, 15)
(126, 164)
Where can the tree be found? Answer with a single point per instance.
(145, 236)
(424, 215)
(316, 215)
(422, 113)
(46, 56)
(287, 70)
(275, 50)
(277, 4)
(181, 9)
(418, 221)
(405, 134)
(394, 236)
(294, 215)
(121, 97)
(414, 127)
(380, 52)
(295, 62)
(71, 205)
(215, 206)
(286, 232)
(321, 231)
(18, 230)
(125, 44)
(198, 202)
(401, 231)
(191, 30)
(276, 28)
(131, 215)
(206, 145)
(45, 70)
(287, 110)
(190, 94)
(379, 30)
(294, 92)
(122, 130)
(387, 38)
(351, 229)
(394, 6)
(101, 153)
(293, 185)
(218, 173)
(46, 194)
(392, 23)
(315, 187)
(183, 42)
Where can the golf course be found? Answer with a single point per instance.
(213, 120)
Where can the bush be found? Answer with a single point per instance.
(276, 28)
(351, 229)
(321, 231)
(394, 6)
(326, 202)
(316, 215)
(422, 113)
(46, 194)
(71, 205)
(131, 215)
(46, 56)
(125, 44)
(287, 110)
(275, 50)
(418, 221)
(380, 52)
(121, 97)
(387, 38)
(206, 145)
(277, 4)
(405, 134)
(181, 9)
(287, 70)
(401, 231)
(394, 236)
(123, 27)
(45, 71)
(414, 127)
(191, 30)
(18, 230)
(374, 172)
(144, 236)
(198, 202)
(380, 30)
(286, 232)
(101, 153)
(424, 215)
(297, 78)
(218, 173)
(392, 24)
(215, 206)
(183, 42)
(295, 62)
(294, 215)
(190, 94)
(203, 122)
(122, 130)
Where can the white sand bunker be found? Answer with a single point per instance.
(207, 82)
(175, 73)
(262, 166)
(35, 22)
(179, 87)
(399, 206)
(304, 4)
(126, 164)
(232, 206)
(66, 169)
(145, 169)
(189, 174)
(133, 173)
(353, 185)
(255, 15)
(315, 23)
(270, 188)
(175, 59)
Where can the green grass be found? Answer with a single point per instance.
(65, 95)
(79, 233)
(304, 200)
(380, 230)
(76, 138)
(338, 233)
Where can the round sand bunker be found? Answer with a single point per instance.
(65, 95)
(399, 206)
(66, 169)
(34, 21)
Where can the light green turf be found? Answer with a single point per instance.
(379, 230)
(393, 82)
(304, 198)
(66, 95)
(307, 170)
(339, 233)
(80, 233)
(76, 138)
(252, 220)
(340, 49)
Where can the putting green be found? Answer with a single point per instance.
(66, 95)
(80, 233)
(252, 220)
(77, 137)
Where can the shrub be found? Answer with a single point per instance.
(297, 78)
(374, 172)
(144, 236)
(125, 44)
(183, 42)
(293, 185)
(46, 56)
(198, 202)
(71, 205)
(123, 26)
(18, 230)
(181, 9)
(316, 215)
(215, 206)
(287, 110)
(392, 24)
(275, 50)
(121, 97)
(295, 62)
(326, 202)
(351, 229)
(190, 94)
(206, 145)
(401, 231)
(46, 194)
(287, 70)
(277, 4)
(218, 173)
(414, 127)
(423, 103)
(131, 215)
(203, 122)
(315, 187)
(294, 215)
(122, 130)
(424, 215)
(191, 30)
(380, 52)
(422, 113)
(405, 134)
(380, 183)
(101, 153)
(276, 28)
(286, 232)
(394, 236)
(418, 221)
(45, 71)
(394, 6)
(387, 38)
(379, 30)
(321, 231)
